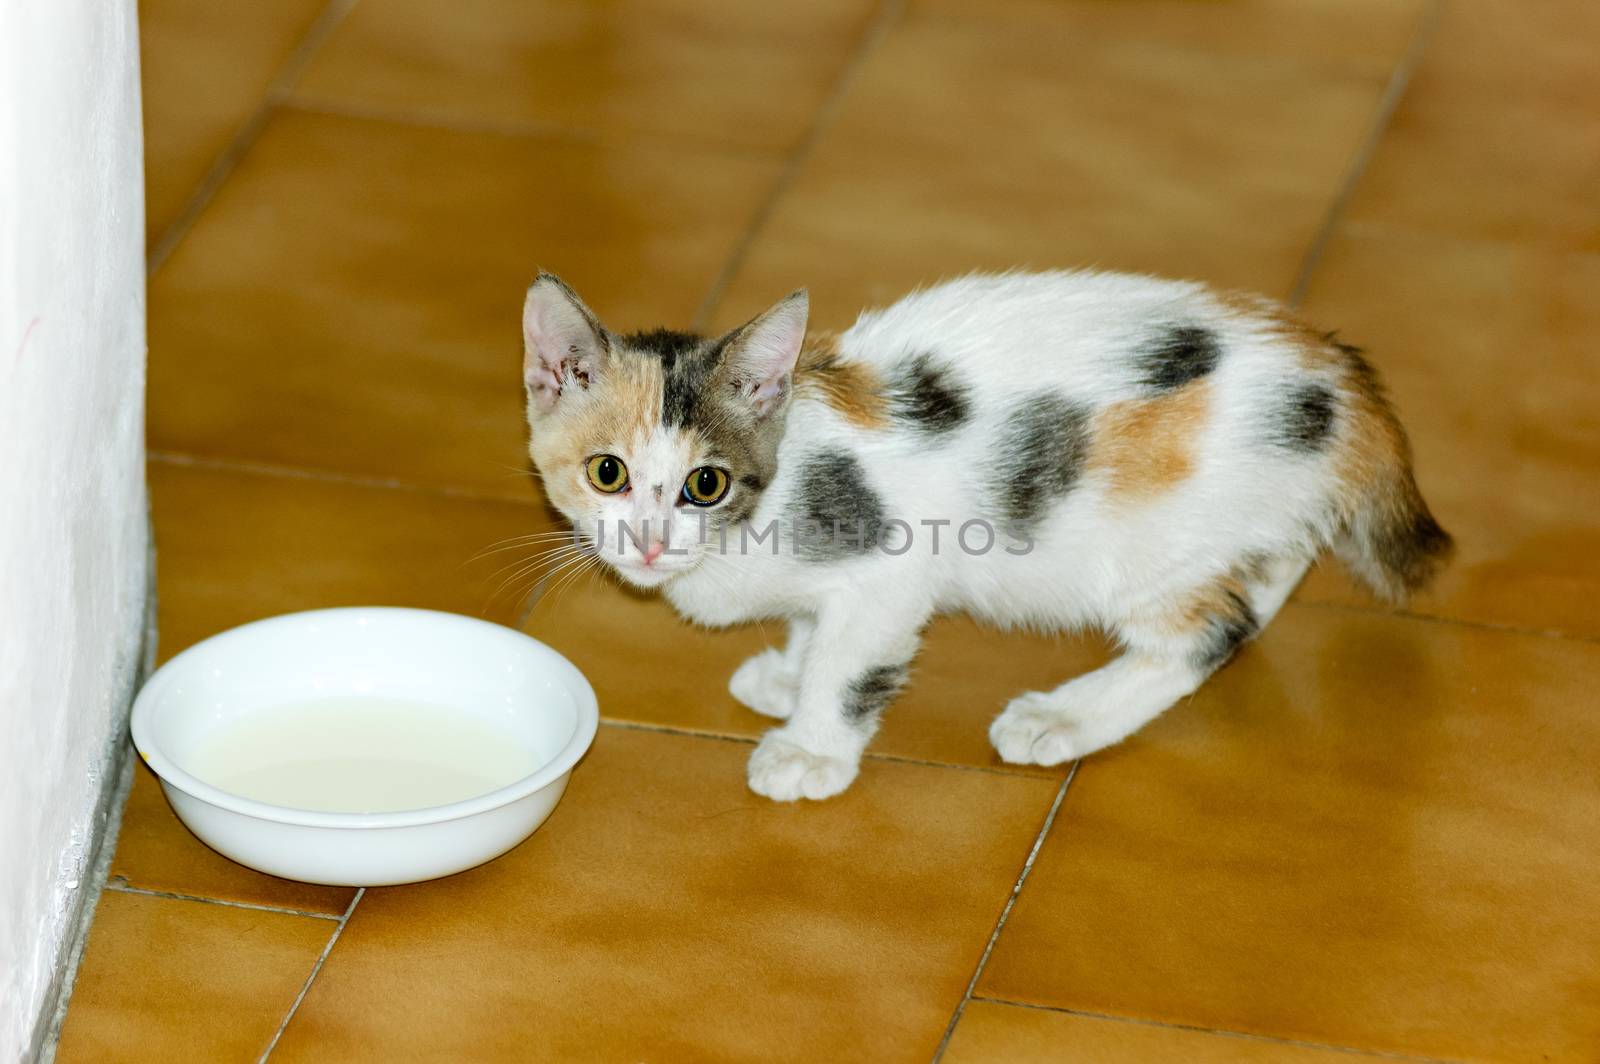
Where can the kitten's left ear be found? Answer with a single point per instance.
(563, 342)
(759, 356)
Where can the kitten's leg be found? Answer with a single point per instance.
(854, 663)
(1167, 658)
(1271, 583)
(769, 682)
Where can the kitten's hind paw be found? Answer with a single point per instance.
(784, 772)
(1036, 730)
(766, 685)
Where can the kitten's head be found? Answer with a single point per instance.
(650, 443)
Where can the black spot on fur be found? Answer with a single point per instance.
(871, 692)
(834, 497)
(1226, 631)
(744, 498)
(1365, 374)
(927, 397)
(1178, 356)
(1307, 420)
(739, 507)
(1042, 451)
(669, 345)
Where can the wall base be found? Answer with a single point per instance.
(118, 765)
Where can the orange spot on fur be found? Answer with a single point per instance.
(1145, 446)
(850, 388)
(624, 409)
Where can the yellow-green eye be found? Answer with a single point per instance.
(705, 486)
(607, 473)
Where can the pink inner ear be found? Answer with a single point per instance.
(544, 382)
(765, 352)
(560, 340)
(763, 394)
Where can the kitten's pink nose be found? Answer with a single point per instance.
(653, 551)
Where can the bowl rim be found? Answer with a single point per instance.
(548, 772)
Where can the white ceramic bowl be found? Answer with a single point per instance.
(508, 680)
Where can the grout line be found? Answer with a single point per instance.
(221, 169)
(328, 476)
(521, 128)
(122, 886)
(316, 969)
(1419, 232)
(1451, 622)
(223, 166)
(883, 20)
(1392, 94)
(1218, 1031)
(331, 476)
(688, 733)
(295, 66)
(993, 770)
(751, 740)
(1011, 900)
(533, 596)
(556, 582)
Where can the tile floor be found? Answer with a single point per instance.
(1375, 835)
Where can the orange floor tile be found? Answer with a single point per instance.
(669, 914)
(991, 1031)
(1371, 837)
(180, 980)
(207, 72)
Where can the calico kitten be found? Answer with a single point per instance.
(1050, 450)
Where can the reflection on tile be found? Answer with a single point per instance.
(747, 74)
(1367, 831)
(650, 666)
(992, 1031)
(185, 981)
(235, 547)
(1496, 137)
(352, 298)
(205, 69)
(156, 852)
(1023, 144)
(1489, 353)
(666, 913)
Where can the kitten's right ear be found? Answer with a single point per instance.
(564, 345)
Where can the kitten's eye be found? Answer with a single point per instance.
(607, 473)
(705, 486)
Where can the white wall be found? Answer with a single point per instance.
(72, 501)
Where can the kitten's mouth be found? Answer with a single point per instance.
(642, 575)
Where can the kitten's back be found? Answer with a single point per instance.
(1189, 400)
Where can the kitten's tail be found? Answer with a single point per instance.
(1389, 540)
(1392, 543)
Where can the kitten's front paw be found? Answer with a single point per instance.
(766, 685)
(784, 772)
(1036, 729)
